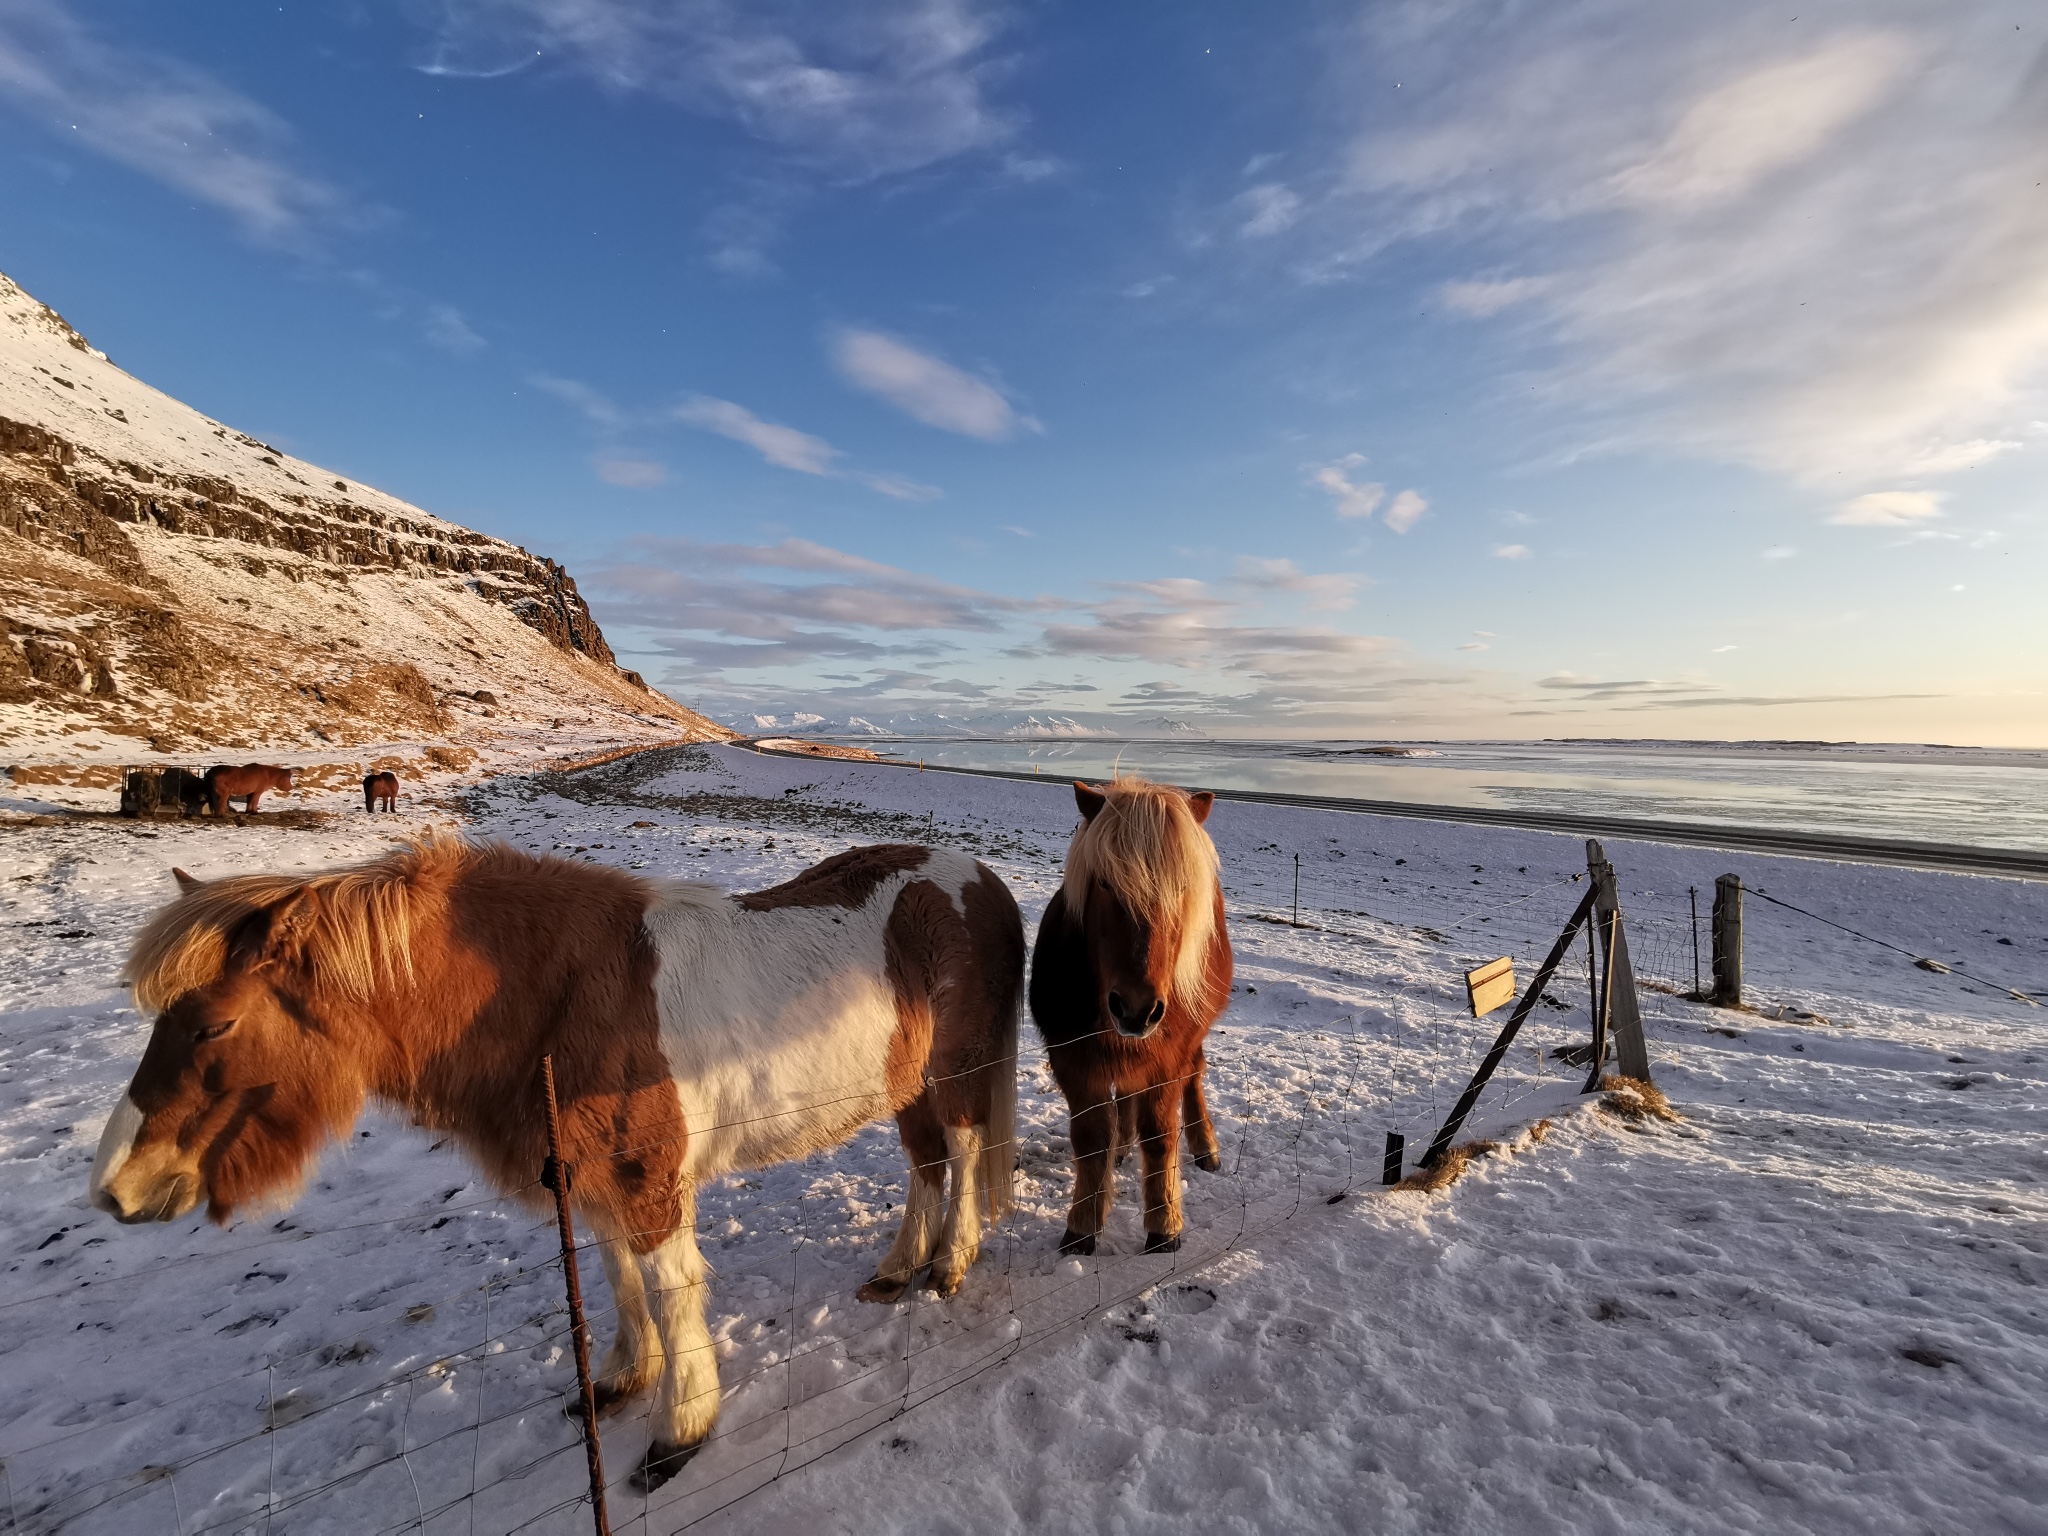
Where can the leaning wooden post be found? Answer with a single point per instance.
(555, 1175)
(1728, 940)
(1619, 1015)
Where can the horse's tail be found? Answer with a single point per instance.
(999, 1141)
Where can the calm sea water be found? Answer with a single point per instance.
(1982, 798)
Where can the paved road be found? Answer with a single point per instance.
(2013, 863)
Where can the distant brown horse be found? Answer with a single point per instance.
(693, 1032)
(248, 783)
(380, 791)
(1131, 968)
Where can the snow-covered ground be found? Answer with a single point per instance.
(1814, 1302)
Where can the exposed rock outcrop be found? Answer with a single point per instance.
(166, 579)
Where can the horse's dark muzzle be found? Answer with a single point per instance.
(1132, 1023)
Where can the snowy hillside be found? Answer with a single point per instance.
(168, 584)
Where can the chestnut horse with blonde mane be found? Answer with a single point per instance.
(1131, 967)
(693, 1032)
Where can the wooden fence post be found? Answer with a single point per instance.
(555, 1175)
(1619, 1015)
(1728, 940)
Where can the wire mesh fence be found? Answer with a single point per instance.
(368, 1430)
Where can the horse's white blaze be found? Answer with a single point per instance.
(116, 1142)
(777, 1023)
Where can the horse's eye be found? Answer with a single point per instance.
(214, 1031)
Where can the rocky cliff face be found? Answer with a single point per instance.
(168, 582)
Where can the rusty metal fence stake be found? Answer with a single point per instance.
(556, 1177)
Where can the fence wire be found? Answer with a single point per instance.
(322, 1439)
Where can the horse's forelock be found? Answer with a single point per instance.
(1146, 843)
(356, 933)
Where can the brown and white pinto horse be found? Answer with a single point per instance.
(246, 783)
(693, 1032)
(1131, 967)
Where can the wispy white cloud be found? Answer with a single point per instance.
(1355, 499)
(1513, 552)
(593, 405)
(1267, 209)
(784, 447)
(1801, 244)
(788, 448)
(1328, 590)
(926, 388)
(1780, 552)
(1634, 695)
(1481, 299)
(167, 120)
(1030, 168)
(1406, 511)
(1888, 509)
(860, 89)
(448, 330)
(795, 602)
(632, 474)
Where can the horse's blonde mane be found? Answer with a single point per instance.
(359, 927)
(1146, 843)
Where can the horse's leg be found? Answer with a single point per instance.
(1194, 1114)
(1159, 1144)
(633, 1363)
(687, 1405)
(961, 1241)
(1093, 1130)
(1126, 1128)
(255, 798)
(923, 1205)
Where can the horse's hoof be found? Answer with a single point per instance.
(662, 1462)
(1209, 1162)
(1162, 1242)
(1077, 1243)
(882, 1290)
(945, 1285)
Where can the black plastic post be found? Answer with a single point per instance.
(1695, 890)
(1390, 1169)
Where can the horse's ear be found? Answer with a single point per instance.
(272, 932)
(186, 884)
(292, 919)
(1090, 800)
(1201, 802)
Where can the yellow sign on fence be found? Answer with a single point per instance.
(1491, 985)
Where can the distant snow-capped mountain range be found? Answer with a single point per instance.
(920, 723)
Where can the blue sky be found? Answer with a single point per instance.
(1387, 370)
